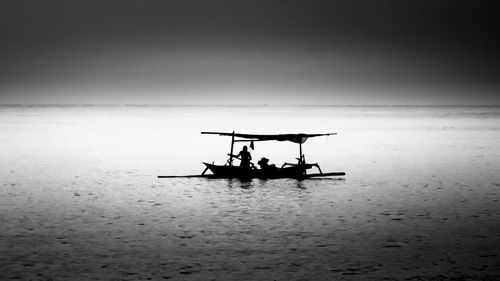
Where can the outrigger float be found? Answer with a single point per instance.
(287, 170)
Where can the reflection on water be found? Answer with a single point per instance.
(274, 183)
(79, 197)
(241, 183)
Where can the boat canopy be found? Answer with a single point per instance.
(296, 138)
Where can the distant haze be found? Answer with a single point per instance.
(248, 52)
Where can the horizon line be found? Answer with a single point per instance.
(236, 105)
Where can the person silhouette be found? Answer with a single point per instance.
(244, 157)
(264, 164)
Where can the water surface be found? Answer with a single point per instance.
(79, 197)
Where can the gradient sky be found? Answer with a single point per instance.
(249, 52)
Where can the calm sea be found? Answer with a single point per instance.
(79, 197)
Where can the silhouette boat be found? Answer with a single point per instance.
(297, 170)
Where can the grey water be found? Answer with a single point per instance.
(80, 198)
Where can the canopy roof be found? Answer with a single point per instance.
(296, 138)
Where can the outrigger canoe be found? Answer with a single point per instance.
(297, 170)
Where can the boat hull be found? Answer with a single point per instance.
(223, 171)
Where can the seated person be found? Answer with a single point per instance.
(264, 164)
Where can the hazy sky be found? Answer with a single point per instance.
(249, 52)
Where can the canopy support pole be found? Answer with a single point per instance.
(231, 154)
(300, 153)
